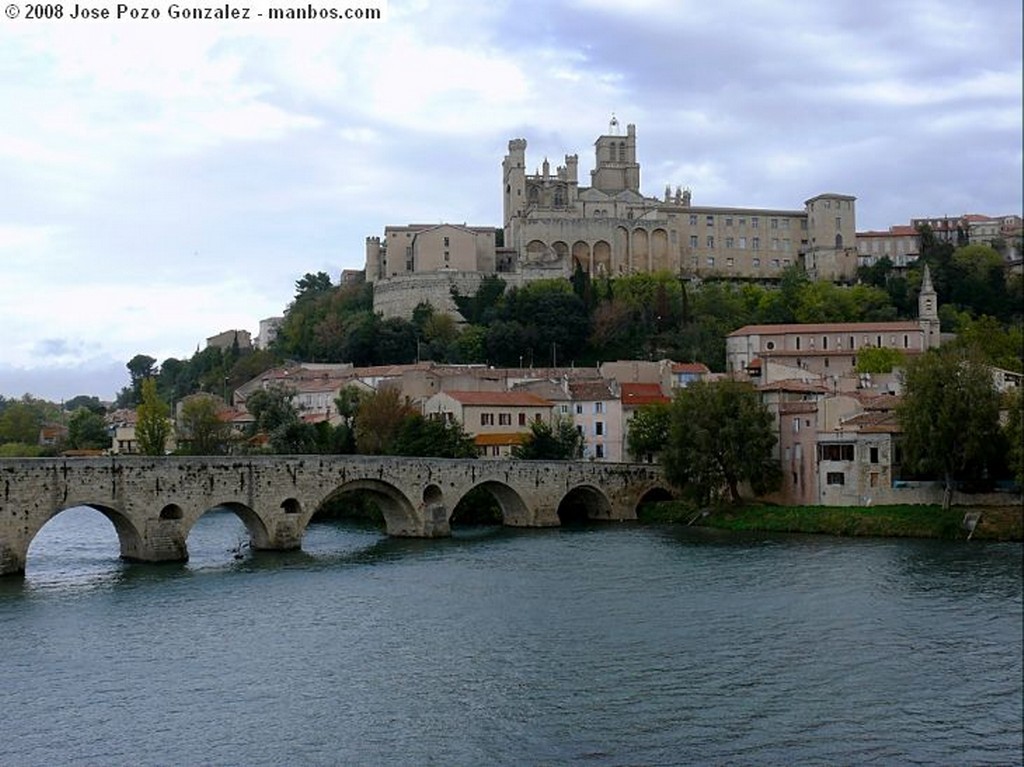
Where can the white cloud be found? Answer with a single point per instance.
(165, 182)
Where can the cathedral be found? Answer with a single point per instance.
(553, 226)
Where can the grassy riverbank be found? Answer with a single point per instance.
(996, 524)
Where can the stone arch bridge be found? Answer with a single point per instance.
(154, 502)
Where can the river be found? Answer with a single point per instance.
(614, 645)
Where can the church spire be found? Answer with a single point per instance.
(928, 310)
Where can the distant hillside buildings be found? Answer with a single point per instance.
(553, 226)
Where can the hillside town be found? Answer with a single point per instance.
(836, 426)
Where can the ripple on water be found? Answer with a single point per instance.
(611, 646)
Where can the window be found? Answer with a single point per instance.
(775, 263)
(756, 262)
(796, 425)
(504, 419)
(599, 451)
(693, 219)
(711, 260)
(775, 223)
(775, 243)
(874, 455)
(743, 243)
(755, 243)
(785, 223)
(835, 451)
(598, 407)
(835, 478)
(839, 223)
(599, 428)
(728, 220)
(711, 220)
(741, 221)
(729, 262)
(824, 342)
(754, 221)
(522, 419)
(487, 419)
(729, 242)
(693, 241)
(711, 241)
(563, 409)
(786, 244)
(798, 343)
(579, 409)
(446, 242)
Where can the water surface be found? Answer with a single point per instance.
(618, 645)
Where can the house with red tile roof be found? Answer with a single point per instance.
(497, 420)
(632, 397)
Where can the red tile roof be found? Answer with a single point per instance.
(827, 327)
(698, 368)
(500, 438)
(636, 394)
(500, 398)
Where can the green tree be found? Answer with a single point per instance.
(949, 416)
(432, 437)
(87, 430)
(276, 417)
(1015, 434)
(379, 419)
(649, 430)
(140, 367)
(152, 424)
(880, 359)
(312, 285)
(86, 401)
(556, 441)
(996, 344)
(720, 435)
(203, 431)
(21, 421)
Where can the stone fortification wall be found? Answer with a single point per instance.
(398, 296)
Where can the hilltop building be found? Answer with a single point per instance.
(552, 226)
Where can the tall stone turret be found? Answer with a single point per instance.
(513, 171)
(374, 258)
(928, 311)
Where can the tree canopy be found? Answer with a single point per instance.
(719, 436)
(949, 416)
(556, 441)
(153, 423)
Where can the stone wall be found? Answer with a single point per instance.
(398, 296)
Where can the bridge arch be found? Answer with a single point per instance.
(400, 517)
(584, 503)
(514, 511)
(255, 525)
(131, 540)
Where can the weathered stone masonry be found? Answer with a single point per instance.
(154, 502)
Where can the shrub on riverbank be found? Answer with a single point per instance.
(999, 524)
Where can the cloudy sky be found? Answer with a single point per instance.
(163, 181)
